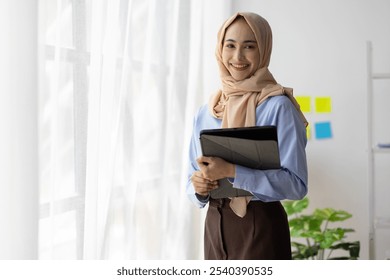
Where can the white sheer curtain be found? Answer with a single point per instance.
(18, 134)
(120, 81)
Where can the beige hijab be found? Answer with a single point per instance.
(236, 102)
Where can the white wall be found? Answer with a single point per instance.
(18, 135)
(320, 50)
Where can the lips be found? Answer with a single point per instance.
(239, 66)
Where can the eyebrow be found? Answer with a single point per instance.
(246, 41)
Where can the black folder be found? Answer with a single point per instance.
(254, 147)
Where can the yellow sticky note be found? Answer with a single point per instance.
(304, 103)
(323, 104)
(308, 132)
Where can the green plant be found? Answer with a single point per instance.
(321, 240)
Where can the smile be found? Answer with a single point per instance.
(240, 66)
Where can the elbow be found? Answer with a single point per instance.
(302, 194)
(299, 185)
(300, 191)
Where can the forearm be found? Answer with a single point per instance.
(271, 185)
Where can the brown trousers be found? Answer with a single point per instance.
(263, 234)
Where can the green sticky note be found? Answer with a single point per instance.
(323, 104)
(304, 103)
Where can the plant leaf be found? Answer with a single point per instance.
(352, 247)
(303, 251)
(332, 215)
(304, 225)
(295, 206)
(330, 236)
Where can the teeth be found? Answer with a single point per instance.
(240, 66)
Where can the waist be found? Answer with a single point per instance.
(224, 202)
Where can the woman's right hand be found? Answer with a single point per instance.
(202, 185)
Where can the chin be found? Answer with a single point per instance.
(240, 76)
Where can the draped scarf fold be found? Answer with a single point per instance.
(235, 104)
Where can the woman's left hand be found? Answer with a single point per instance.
(215, 168)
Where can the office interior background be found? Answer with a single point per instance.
(97, 100)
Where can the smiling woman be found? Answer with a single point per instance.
(254, 226)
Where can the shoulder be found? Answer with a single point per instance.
(204, 119)
(203, 111)
(279, 100)
(278, 110)
(276, 103)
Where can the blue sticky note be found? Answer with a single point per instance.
(323, 130)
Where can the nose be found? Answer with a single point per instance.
(238, 54)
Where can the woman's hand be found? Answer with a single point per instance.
(215, 168)
(202, 185)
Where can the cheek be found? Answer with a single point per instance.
(224, 56)
(225, 60)
(255, 59)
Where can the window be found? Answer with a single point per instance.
(117, 94)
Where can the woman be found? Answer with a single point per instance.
(252, 227)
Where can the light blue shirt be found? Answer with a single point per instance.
(289, 182)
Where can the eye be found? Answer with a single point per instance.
(250, 46)
(229, 46)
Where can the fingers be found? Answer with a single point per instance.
(202, 185)
(204, 164)
(204, 161)
(214, 168)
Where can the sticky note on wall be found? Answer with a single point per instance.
(323, 130)
(308, 132)
(304, 102)
(323, 104)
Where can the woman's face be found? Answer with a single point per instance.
(240, 52)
